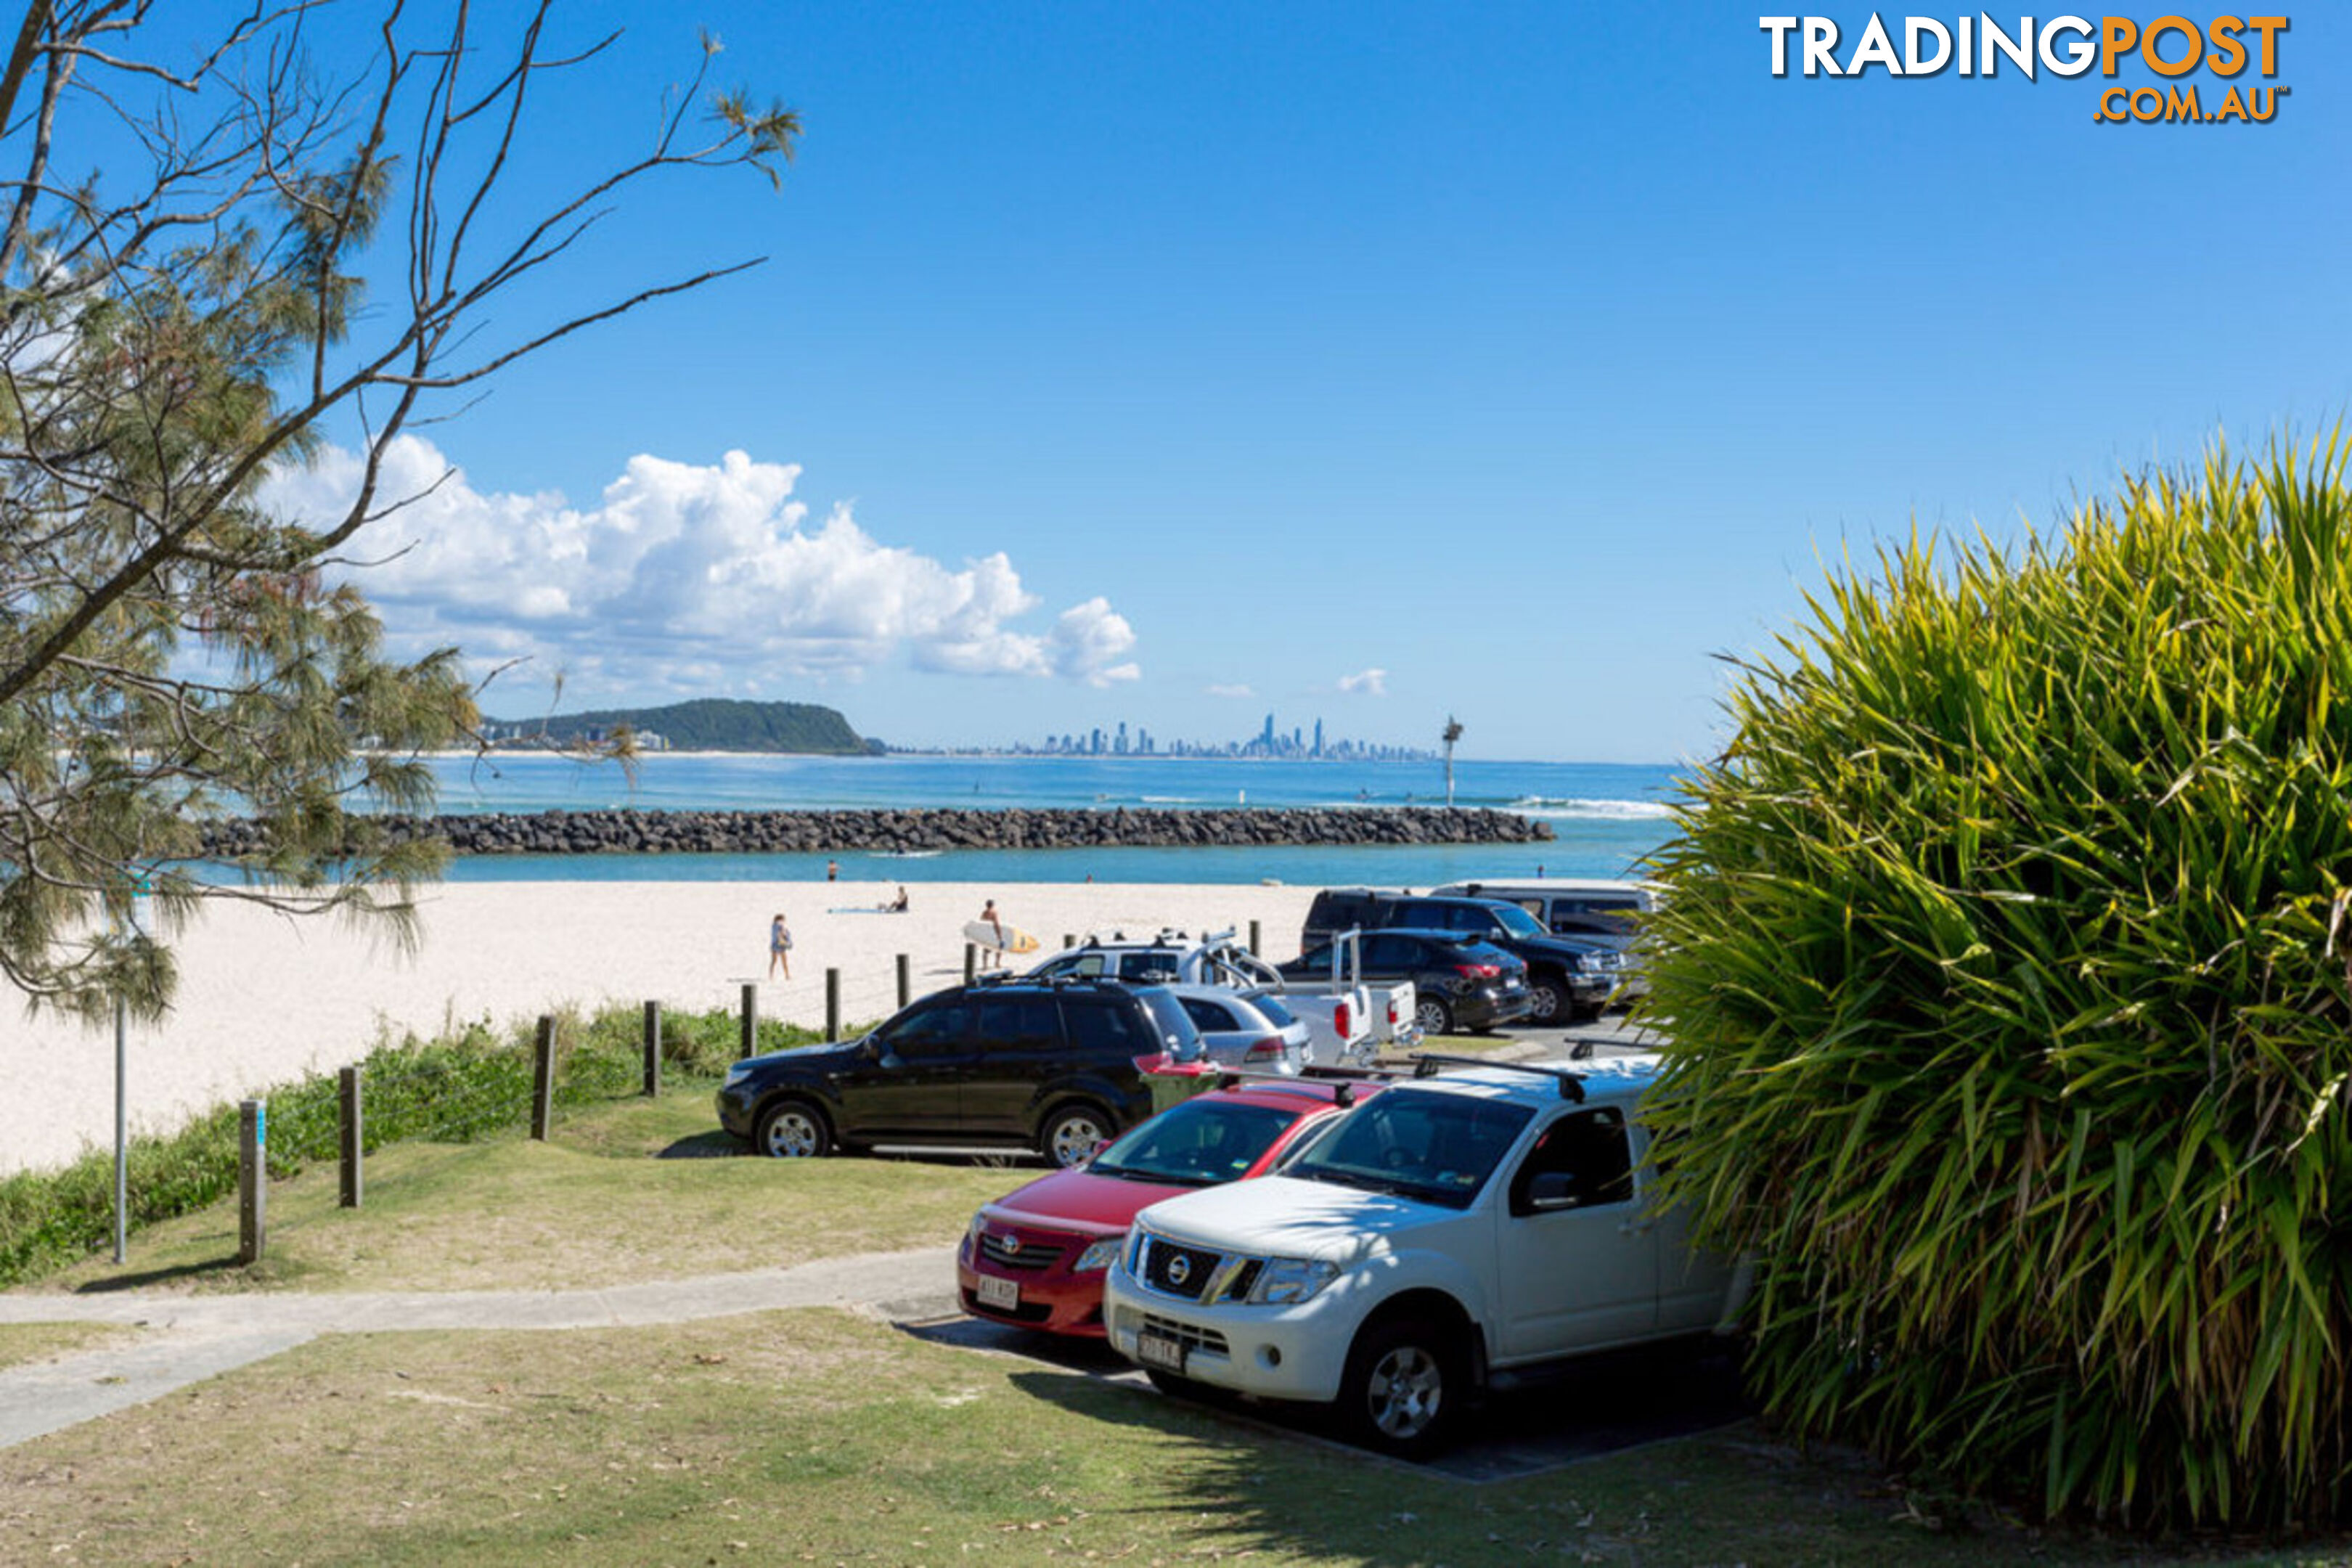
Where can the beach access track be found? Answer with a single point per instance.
(186, 1338)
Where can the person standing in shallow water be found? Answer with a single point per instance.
(832, 870)
(779, 947)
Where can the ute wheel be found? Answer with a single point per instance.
(1432, 1015)
(1072, 1133)
(1548, 1000)
(792, 1129)
(1404, 1387)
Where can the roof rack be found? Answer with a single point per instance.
(1343, 1093)
(1571, 1082)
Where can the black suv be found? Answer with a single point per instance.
(1566, 975)
(1048, 1065)
(1458, 982)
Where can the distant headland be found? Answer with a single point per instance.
(704, 724)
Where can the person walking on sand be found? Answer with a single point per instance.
(995, 923)
(832, 870)
(779, 947)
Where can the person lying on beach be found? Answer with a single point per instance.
(897, 906)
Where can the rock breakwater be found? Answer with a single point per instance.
(821, 832)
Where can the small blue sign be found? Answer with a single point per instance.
(261, 1122)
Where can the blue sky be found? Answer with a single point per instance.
(1530, 355)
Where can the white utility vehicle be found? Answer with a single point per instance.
(1346, 1022)
(1450, 1234)
(1354, 1016)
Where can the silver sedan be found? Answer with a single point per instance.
(1247, 1029)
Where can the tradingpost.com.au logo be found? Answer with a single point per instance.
(2178, 49)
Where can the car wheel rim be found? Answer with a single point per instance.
(1075, 1138)
(1431, 1017)
(1405, 1390)
(791, 1136)
(1543, 1002)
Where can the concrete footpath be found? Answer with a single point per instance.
(186, 1338)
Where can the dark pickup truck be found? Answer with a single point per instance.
(1565, 977)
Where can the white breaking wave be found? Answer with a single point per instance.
(1592, 810)
(1170, 799)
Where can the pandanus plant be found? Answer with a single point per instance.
(2006, 975)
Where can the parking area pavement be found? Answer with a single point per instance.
(1597, 1405)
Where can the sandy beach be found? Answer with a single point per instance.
(264, 999)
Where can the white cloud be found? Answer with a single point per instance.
(1366, 683)
(1231, 691)
(691, 576)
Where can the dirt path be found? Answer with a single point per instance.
(187, 1339)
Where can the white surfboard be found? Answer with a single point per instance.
(1013, 940)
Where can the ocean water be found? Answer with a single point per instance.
(1607, 816)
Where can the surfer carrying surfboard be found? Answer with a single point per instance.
(995, 923)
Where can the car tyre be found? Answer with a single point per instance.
(1432, 1015)
(1404, 1387)
(1550, 999)
(1073, 1133)
(792, 1129)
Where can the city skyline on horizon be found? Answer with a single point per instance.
(1104, 364)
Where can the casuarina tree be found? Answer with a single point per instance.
(183, 308)
(2006, 974)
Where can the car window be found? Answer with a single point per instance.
(1591, 1148)
(1177, 1035)
(1280, 1016)
(1388, 953)
(1195, 1143)
(1514, 920)
(941, 1029)
(1105, 1024)
(1315, 959)
(1154, 967)
(1437, 1147)
(1206, 1015)
(1019, 1023)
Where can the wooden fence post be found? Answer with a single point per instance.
(971, 962)
(1255, 943)
(905, 981)
(1068, 941)
(353, 1143)
(749, 1043)
(542, 1080)
(832, 1003)
(252, 1179)
(653, 1048)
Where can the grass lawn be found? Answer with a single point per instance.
(821, 1436)
(592, 1208)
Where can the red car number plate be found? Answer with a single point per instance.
(1004, 1295)
(1156, 1350)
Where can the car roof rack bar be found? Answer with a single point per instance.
(1343, 1093)
(1571, 1082)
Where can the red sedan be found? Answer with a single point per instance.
(1035, 1257)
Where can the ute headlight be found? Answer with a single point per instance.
(1099, 1256)
(738, 1073)
(1288, 1281)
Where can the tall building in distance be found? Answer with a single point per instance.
(1298, 743)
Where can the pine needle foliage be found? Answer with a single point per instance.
(191, 217)
(2007, 977)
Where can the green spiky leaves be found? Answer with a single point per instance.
(2009, 981)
